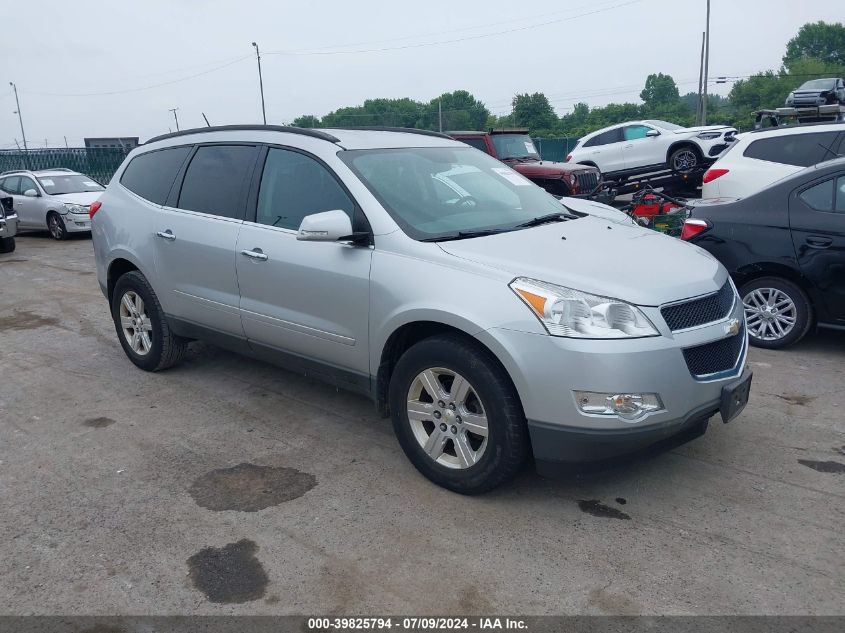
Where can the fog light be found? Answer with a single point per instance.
(628, 406)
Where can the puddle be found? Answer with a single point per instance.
(823, 467)
(98, 423)
(800, 400)
(249, 488)
(26, 320)
(230, 574)
(598, 509)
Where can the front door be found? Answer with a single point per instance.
(641, 150)
(196, 234)
(310, 299)
(817, 218)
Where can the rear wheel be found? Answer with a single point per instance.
(777, 312)
(457, 415)
(141, 325)
(7, 244)
(684, 159)
(56, 226)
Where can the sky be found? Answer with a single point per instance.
(106, 68)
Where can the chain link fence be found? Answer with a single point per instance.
(98, 163)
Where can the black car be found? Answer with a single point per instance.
(817, 92)
(785, 250)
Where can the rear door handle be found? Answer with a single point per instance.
(815, 241)
(167, 235)
(255, 254)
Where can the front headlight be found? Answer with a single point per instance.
(709, 136)
(575, 314)
(75, 208)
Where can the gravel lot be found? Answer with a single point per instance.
(226, 485)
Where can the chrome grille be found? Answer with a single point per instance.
(680, 316)
(718, 356)
(587, 181)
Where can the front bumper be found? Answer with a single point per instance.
(548, 370)
(77, 222)
(9, 226)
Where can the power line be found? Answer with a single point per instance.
(456, 40)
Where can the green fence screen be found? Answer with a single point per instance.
(98, 163)
(554, 148)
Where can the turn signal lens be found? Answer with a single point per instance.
(693, 228)
(711, 174)
(628, 406)
(95, 206)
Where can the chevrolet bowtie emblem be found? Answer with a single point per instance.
(733, 327)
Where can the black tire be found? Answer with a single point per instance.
(7, 244)
(166, 348)
(56, 226)
(507, 440)
(692, 155)
(803, 311)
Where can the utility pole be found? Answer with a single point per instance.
(700, 82)
(173, 110)
(260, 82)
(706, 69)
(440, 114)
(66, 147)
(20, 119)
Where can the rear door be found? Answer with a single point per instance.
(307, 298)
(196, 232)
(817, 219)
(606, 151)
(29, 209)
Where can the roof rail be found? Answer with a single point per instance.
(408, 130)
(38, 171)
(261, 128)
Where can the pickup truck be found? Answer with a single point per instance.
(515, 148)
(8, 225)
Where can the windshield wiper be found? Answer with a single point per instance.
(545, 219)
(463, 235)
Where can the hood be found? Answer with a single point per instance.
(85, 198)
(599, 210)
(548, 169)
(637, 265)
(704, 128)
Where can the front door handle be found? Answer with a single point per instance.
(166, 235)
(255, 254)
(816, 241)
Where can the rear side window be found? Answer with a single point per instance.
(801, 150)
(151, 175)
(826, 196)
(605, 138)
(11, 184)
(214, 181)
(477, 143)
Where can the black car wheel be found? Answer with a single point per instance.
(684, 159)
(56, 226)
(777, 312)
(7, 244)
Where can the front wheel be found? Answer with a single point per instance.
(457, 416)
(684, 160)
(56, 226)
(141, 325)
(777, 312)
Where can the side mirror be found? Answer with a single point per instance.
(30, 193)
(328, 226)
(652, 133)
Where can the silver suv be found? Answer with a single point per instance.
(52, 199)
(487, 318)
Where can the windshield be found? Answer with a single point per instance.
(818, 84)
(440, 192)
(514, 146)
(666, 125)
(72, 183)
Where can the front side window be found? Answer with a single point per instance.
(826, 196)
(215, 180)
(801, 150)
(73, 183)
(635, 132)
(441, 192)
(515, 146)
(27, 184)
(294, 185)
(151, 175)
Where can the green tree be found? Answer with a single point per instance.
(306, 120)
(461, 111)
(660, 90)
(376, 112)
(534, 112)
(820, 40)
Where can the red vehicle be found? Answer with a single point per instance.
(516, 149)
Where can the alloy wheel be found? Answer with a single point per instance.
(55, 227)
(684, 161)
(770, 314)
(447, 418)
(135, 323)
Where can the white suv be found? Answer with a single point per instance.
(639, 147)
(763, 157)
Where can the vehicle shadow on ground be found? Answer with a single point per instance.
(45, 235)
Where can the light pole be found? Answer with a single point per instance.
(706, 70)
(20, 117)
(260, 82)
(176, 118)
